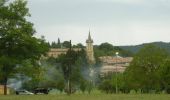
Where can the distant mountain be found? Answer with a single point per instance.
(135, 48)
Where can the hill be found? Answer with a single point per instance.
(135, 48)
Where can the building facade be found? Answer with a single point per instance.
(114, 64)
(55, 52)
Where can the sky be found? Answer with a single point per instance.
(119, 22)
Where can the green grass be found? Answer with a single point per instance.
(88, 97)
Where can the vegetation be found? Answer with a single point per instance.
(135, 48)
(93, 96)
(144, 69)
(17, 42)
(106, 49)
(20, 54)
(56, 73)
(73, 64)
(147, 73)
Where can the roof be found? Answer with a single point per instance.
(113, 60)
(89, 40)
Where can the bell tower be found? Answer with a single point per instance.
(89, 49)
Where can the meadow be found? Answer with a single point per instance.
(88, 97)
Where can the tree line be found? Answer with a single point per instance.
(147, 73)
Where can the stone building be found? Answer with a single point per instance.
(109, 64)
(114, 64)
(55, 52)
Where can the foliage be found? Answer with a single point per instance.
(135, 48)
(108, 83)
(106, 49)
(83, 85)
(60, 85)
(165, 75)
(143, 70)
(17, 42)
(106, 86)
(79, 45)
(71, 64)
(148, 72)
(50, 77)
(90, 86)
(66, 44)
(55, 45)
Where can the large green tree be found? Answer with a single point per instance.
(143, 70)
(17, 41)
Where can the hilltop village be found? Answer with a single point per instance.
(110, 64)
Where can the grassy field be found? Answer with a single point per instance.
(89, 97)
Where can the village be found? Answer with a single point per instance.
(84, 50)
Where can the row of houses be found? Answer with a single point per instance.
(114, 64)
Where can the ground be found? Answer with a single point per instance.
(88, 97)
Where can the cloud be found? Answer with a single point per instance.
(147, 3)
(118, 21)
(124, 1)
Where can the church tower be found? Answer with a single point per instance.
(89, 50)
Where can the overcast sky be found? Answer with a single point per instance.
(120, 22)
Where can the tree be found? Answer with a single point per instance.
(17, 41)
(106, 46)
(52, 76)
(60, 85)
(109, 82)
(123, 52)
(66, 44)
(58, 41)
(165, 75)
(106, 86)
(142, 72)
(83, 85)
(56, 45)
(79, 45)
(70, 70)
(73, 64)
(107, 49)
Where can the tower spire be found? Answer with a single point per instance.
(89, 37)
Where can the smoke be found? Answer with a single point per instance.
(91, 73)
(16, 83)
(52, 73)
